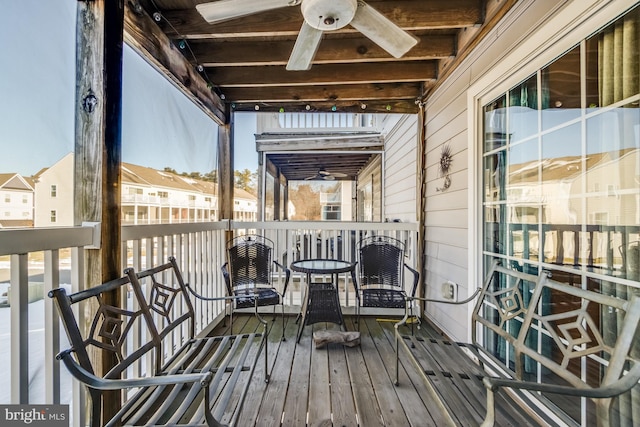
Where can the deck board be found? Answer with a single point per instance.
(343, 407)
(296, 400)
(334, 385)
(319, 388)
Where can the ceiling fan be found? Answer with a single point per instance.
(326, 175)
(319, 16)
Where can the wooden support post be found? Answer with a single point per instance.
(225, 171)
(276, 196)
(98, 147)
(422, 205)
(286, 200)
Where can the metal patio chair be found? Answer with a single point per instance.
(381, 274)
(249, 273)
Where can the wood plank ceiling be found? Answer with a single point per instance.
(242, 61)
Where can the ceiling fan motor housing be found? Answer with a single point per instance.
(327, 15)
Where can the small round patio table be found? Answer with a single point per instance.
(321, 302)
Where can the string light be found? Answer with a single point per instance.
(281, 109)
(388, 107)
(183, 44)
(334, 108)
(363, 106)
(307, 107)
(256, 107)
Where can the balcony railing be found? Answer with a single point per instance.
(35, 337)
(317, 122)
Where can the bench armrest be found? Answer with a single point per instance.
(625, 383)
(203, 298)
(93, 381)
(444, 301)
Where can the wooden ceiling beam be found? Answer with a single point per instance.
(325, 93)
(286, 21)
(143, 35)
(332, 50)
(400, 106)
(323, 74)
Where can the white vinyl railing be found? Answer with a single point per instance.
(39, 260)
(29, 325)
(199, 249)
(294, 240)
(316, 122)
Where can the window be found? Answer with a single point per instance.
(25, 199)
(561, 161)
(54, 190)
(7, 198)
(53, 216)
(331, 212)
(163, 194)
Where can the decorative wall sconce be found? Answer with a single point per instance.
(443, 167)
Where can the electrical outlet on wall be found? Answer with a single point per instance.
(450, 290)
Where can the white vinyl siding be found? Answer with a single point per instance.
(532, 34)
(401, 152)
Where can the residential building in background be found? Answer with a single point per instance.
(148, 196)
(16, 201)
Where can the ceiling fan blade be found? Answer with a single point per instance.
(223, 10)
(382, 31)
(309, 178)
(305, 48)
(329, 178)
(339, 174)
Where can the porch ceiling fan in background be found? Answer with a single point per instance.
(326, 175)
(319, 16)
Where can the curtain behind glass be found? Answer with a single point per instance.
(618, 79)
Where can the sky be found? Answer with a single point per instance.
(160, 127)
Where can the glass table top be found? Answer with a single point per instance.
(322, 266)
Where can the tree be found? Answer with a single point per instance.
(170, 170)
(246, 180)
(306, 199)
(211, 176)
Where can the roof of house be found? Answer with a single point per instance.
(14, 181)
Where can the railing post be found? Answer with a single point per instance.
(19, 329)
(52, 329)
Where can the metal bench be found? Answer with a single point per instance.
(543, 344)
(167, 375)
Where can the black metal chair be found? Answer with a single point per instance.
(249, 272)
(381, 274)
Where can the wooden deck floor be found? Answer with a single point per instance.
(335, 385)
